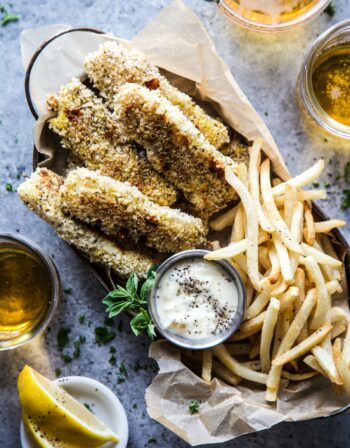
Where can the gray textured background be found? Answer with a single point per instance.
(266, 67)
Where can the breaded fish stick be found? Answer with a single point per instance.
(175, 147)
(89, 131)
(41, 194)
(119, 208)
(112, 65)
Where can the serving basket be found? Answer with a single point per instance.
(104, 275)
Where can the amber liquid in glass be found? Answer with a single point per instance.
(25, 292)
(331, 83)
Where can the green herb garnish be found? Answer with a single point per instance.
(112, 360)
(133, 298)
(194, 406)
(66, 358)
(345, 203)
(103, 335)
(122, 369)
(7, 15)
(120, 380)
(347, 172)
(57, 372)
(327, 184)
(330, 10)
(77, 346)
(316, 184)
(82, 318)
(62, 337)
(112, 350)
(9, 187)
(88, 407)
(68, 290)
(152, 440)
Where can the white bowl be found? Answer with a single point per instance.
(104, 404)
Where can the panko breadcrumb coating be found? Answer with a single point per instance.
(89, 131)
(175, 147)
(120, 209)
(112, 65)
(41, 194)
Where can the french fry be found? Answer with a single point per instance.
(275, 265)
(254, 168)
(278, 336)
(253, 325)
(224, 374)
(252, 226)
(323, 299)
(342, 367)
(329, 225)
(260, 301)
(298, 376)
(337, 314)
(273, 213)
(229, 251)
(297, 222)
(254, 365)
(264, 259)
(299, 281)
(312, 362)
(302, 179)
(237, 368)
(346, 348)
(306, 345)
(241, 336)
(238, 228)
(303, 196)
(207, 364)
(224, 220)
(267, 333)
(325, 359)
(280, 287)
(291, 198)
(338, 329)
(249, 294)
(283, 258)
(309, 232)
(320, 256)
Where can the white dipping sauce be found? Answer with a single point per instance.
(196, 298)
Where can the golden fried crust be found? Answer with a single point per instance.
(121, 209)
(113, 65)
(175, 147)
(41, 194)
(88, 129)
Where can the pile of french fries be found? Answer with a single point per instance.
(290, 329)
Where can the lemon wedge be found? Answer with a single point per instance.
(54, 419)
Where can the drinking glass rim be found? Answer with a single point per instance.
(49, 265)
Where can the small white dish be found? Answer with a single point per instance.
(103, 403)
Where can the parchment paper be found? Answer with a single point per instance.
(177, 42)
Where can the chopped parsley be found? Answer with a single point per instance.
(194, 406)
(347, 172)
(66, 358)
(112, 350)
(82, 318)
(7, 15)
(152, 440)
(9, 187)
(327, 184)
(112, 360)
(266, 114)
(330, 10)
(57, 372)
(103, 335)
(316, 184)
(62, 337)
(68, 290)
(122, 369)
(77, 346)
(108, 322)
(88, 407)
(345, 203)
(120, 380)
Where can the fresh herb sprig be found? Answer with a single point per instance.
(133, 298)
(194, 406)
(7, 15)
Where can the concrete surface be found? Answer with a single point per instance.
(266, 67)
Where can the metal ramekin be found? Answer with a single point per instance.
(184, 342)
(338, 34)
(32, 248)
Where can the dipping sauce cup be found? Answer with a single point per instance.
(196, 303)
(29, 290)
(324, 81)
